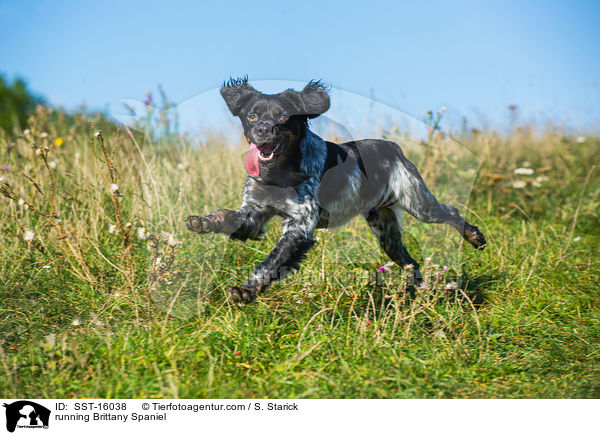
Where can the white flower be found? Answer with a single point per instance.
(172, 241)
(98, 133)
(26, 132)
(311, 295)
(112, 229)
(519, 184)
(523, 171)
(541, 178)
(28, 236)
(536, 184)
(427, 259)
(76, 322)
(21, 201)
(117, 294)
(577, 239)
(38, 151)
(299, 301)
(44, 135)
(580, 139)
(47, 266)
(158, 260)
(52, 164)
(141, 233)
(50, 340)
(451, 286)
(114, 188)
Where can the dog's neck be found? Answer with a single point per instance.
(314, 153)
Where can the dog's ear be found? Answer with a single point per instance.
(315, 98)
(236, 93)
(311, 101)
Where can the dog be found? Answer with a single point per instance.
(312, 183)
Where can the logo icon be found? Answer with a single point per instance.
(26, 414)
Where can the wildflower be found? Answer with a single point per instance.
(141, 233)
(26, 132)
(47, 266)
(311, 295)
(541, 178)
(523, 171)
(112, 229)
(9, 147)
(52, 164)
(536, 184)
(427, 260)
(519, 184)
(3, 199)
(50, 340)
(577, 239)
(409, 267)
(6, 168)
(238, 353)
(445, 268)
(181, 166)
(76, 322)
(117, 294)
(21, 201)
(98, 133)
(382, 269)
(148, 99)
(580, 139)
(452, 285)
(38, 151)
(59, 141)
(28, 236)
(44, 135)
(299, 301)
(172, 241)
(158, 261)
(114, 189)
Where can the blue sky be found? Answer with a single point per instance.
(476, 58)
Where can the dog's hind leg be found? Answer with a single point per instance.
(386, 227)
(414, 197)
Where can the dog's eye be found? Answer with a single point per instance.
(252, 117)
(283, 118)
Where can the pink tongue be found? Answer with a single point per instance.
(252, 160)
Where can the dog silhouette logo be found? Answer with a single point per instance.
(26, 414)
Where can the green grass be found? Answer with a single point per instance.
(86, 319)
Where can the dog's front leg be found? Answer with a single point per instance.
(296, 241)
(244, 223)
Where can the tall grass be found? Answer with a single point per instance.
(103, 292)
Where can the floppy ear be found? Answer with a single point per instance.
(315, 98)
(236, 93)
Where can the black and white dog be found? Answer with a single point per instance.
(312, 183)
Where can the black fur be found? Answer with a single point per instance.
(312, 183)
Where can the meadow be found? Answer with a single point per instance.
(103, 292)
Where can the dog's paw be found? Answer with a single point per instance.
(242, 295)
(198, 224)
(475, 237)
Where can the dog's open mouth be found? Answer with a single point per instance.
(266, 152)
(259, 154)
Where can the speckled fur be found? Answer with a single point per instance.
(323, 185)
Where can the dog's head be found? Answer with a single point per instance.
(274, 124)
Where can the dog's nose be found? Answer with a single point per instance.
(263, 130)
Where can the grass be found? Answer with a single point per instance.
(86, 312)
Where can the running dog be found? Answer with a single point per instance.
(312, 183)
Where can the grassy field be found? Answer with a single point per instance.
(103, 293)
